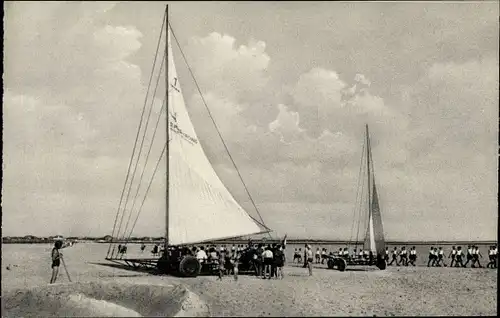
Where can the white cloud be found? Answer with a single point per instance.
(360, 78)
(286, 125)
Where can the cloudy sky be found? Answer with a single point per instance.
(290, 85)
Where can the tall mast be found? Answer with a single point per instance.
(167, 113)
(368, 150)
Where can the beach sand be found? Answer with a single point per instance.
(359, 291)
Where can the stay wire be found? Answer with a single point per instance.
(135, 143)
(149, 186)
(144, 169)
(141, 147)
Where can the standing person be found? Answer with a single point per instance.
(453, 255)
(469, 255)
(143, 247)
(309, 258)
(495, 253)
(394, 256)
(323, 255)
(279, 259)
(318, 255)
(403, 257)
(459, 257)
(413, 256)
(296, 256)
(260, 260)
(222, 262)
(274, 266)
(491, 256)
(475, 257)
(56, 260)
(432, 259)
(386, 255)
(305, 255)
(235, 260)
(440, 257)
(267, 255)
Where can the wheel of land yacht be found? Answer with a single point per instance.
(330, 263)
(189, 266)
(341, 264)
(381, 263)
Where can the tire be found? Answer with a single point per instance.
(189, 266)
(341, 264)
(381, 263)
(330, 263)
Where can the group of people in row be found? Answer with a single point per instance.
(408, 257)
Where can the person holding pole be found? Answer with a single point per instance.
(56, 260)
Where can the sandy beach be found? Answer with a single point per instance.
(365, 291)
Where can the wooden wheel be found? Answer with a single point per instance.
(189, 266)
(330, 263)
(341, 264)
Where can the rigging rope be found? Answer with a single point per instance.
(357, 195)
(220, 136)
(136, 139)
(141, 147)
(137, 159)
(144, 169)
(147, 190)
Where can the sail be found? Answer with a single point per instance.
(200, 206)
(377, 228)
(374, 238)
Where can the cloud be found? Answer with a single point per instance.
(286, 125)
(294, 124)
(360, 78)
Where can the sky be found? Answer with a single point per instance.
(291, 86)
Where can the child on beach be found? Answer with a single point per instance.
(492, 256)
(403, 257)
(280, 262)
(235, 260)
(469, 255)
(459, 257)
(394, 256)
(413, 256)
(453, 255)
(56, 257)
(440, 257)
(309, 259)
(318, 255)
(222, 263)
(267, 256)
(475, 257)
(432, 257)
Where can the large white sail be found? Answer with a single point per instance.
(200, 206)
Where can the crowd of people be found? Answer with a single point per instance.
(267, 261)
(264, 261)
(404, 257)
